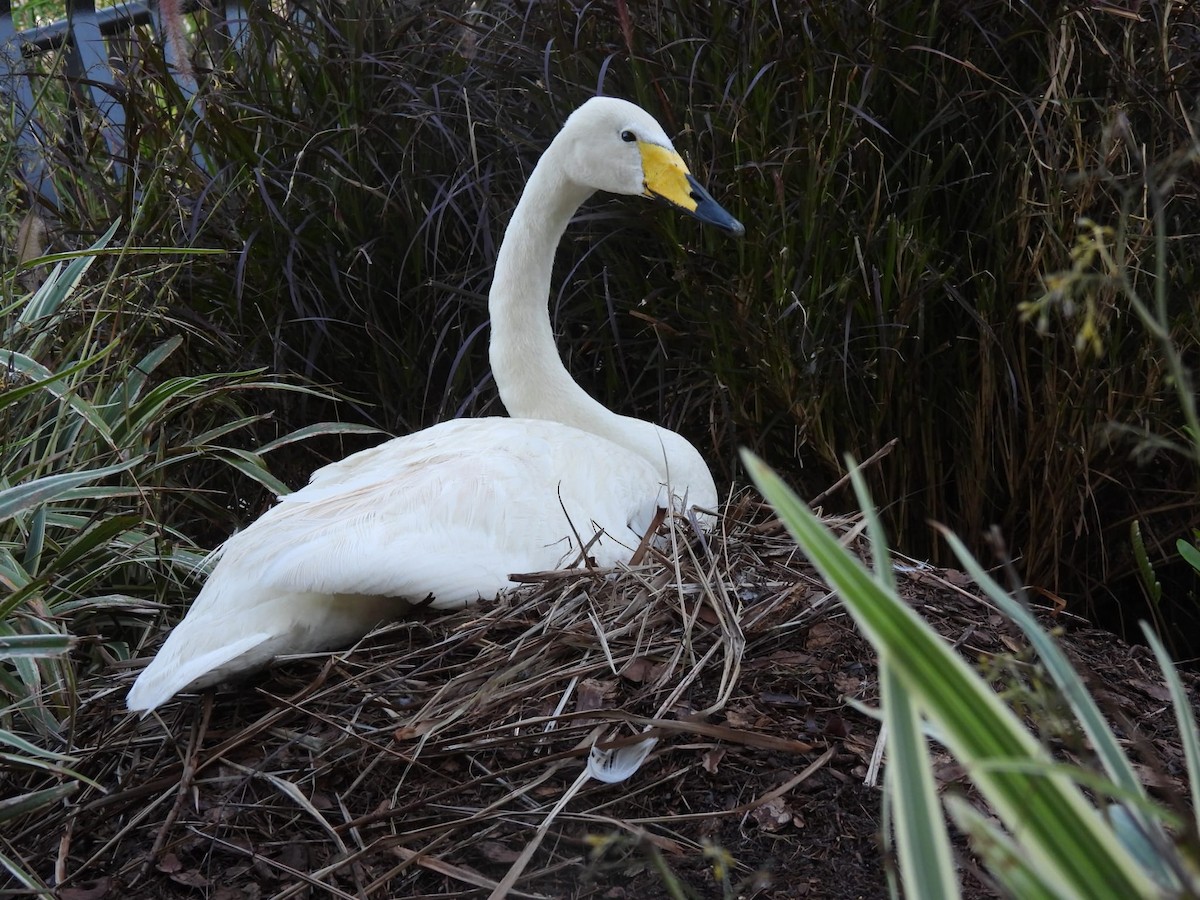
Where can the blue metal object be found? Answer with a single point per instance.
(88, 68)
(17, 94)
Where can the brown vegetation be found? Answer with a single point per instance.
(424, 761)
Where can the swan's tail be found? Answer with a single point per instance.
(231, 631)
(173, 670)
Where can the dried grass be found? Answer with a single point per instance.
(427, 760)
(438, 739)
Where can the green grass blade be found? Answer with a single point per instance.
(51, 487)
(887, 827)
(94, 492)
(922, 842)
(1185, 716)
(24, 746)
(34, 542)
(42, 303)
(27, 879)
(881, 556)
(1189, 552)
(12, 760)
(12, 571)
(319, 428)
(33, 645)
(48, 298)
(206, 438)
(52, 382)
(109, 603)
(1104, 742)
(149, 411)
(1063, 836)
(128, 391)
(100, 535)
(250, 465)
(1002, 857)
(40, 377)
(1149, 579)
(128, 250)
(23, 804)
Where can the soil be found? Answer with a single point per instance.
(428, 759)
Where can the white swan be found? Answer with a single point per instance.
(447, 514)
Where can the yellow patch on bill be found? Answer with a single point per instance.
(665, 175)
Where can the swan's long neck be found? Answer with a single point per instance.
(532, 380)
(529, 373)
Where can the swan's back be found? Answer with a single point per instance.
(482, 498)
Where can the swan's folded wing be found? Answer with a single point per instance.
(407, 522)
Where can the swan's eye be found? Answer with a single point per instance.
(628, 136)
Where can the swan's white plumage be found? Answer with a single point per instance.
(414, 519)
(447, 514)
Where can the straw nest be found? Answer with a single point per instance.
(445, 755)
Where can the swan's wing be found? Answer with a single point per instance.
(449, 513)
(452, 512)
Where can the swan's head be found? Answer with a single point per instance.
(618, 147)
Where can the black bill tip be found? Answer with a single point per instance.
(711, 212)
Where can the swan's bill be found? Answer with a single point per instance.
(666, 176)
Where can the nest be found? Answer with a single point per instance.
(447, 755)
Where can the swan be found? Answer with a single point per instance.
(445, 515)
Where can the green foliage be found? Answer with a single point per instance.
(101, 441)
(1149, 579)
(1190, 553)
(32, 13)
(908, 173)
(104, 467)
(1054, 842)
